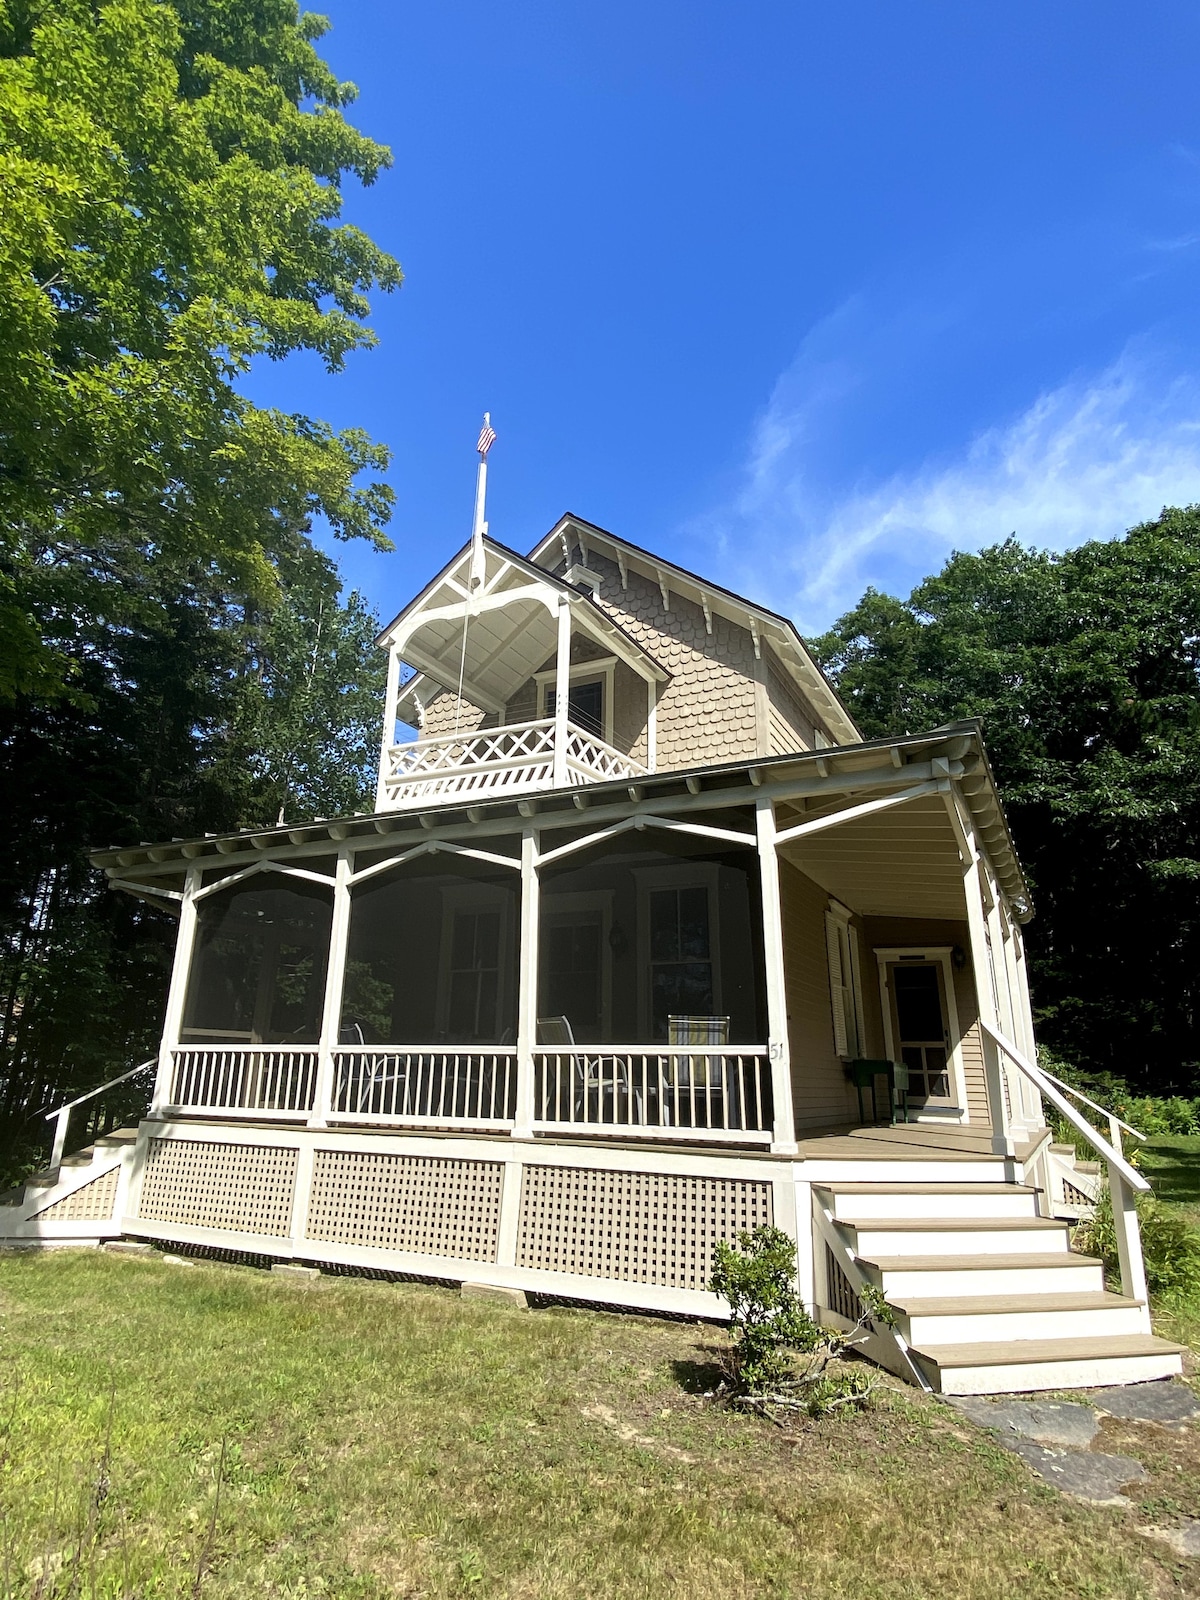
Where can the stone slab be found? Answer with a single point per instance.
(1183, 1539)
(292, 1269)
(127, 1247)
(1047, 1421)
(1163, 1401)
(1085, 1474)
(495, 1291)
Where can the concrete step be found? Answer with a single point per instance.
(971, 1319)
(1014, 1366)
(852, 1202)
(941, 1276)
(957, 1236)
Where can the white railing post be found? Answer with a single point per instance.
(59, 1148)
(389, 727)
(778, 1048)
(527, 994)
(562, 692)
(335, 974)
(181, 970)
(993, 1063)
(1125, 1225)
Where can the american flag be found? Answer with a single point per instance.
(487, 435)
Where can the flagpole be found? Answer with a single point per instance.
(487, 439)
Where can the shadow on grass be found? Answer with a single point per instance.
(703, 1376)
(1173, 1166)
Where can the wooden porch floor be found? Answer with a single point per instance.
(905, 1142)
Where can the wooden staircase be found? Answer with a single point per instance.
(987, 1293)
(73, 1202)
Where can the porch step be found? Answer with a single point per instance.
(947, 1276)
(1013, 1365)
(984, 1236)
(854, 1202)
(959, 1319)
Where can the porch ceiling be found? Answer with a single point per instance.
(503, 648)
(898, 863)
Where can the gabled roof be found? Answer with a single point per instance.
(510, 629)
(786, 643)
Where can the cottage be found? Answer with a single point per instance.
(642, 945)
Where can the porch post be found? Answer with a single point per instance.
(335, 977)
(389, 724)
(528, 987)
(960, 819)
(181, 969)
(562, 693)
(783, 1141)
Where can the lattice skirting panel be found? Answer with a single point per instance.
(92, 1202)
(640, 1227)
(843, 1297)
(243, 1188)
(427, 1205)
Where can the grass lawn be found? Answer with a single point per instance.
(1172, 1163)
(386, 1439)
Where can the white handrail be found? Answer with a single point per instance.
(1123, 1179)
(1104, 1112)
(61, 1116)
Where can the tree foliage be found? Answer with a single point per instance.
(1085, 671)
(176, 655)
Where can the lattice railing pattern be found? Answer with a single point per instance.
(426, 1205)
(422, 1085)
(519, 756)
(275, 1081)
(243, 1188)
(91, 1202)
(639, 1227)
(693, 1093)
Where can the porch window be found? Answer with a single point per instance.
(585, 706)
(474, 975)
(681, 966)
(845, 983)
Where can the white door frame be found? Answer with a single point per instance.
(941, 953)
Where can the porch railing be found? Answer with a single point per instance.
(720, 1095)
(425, 1086)
(271, 1081)
(103, 1109)
(517, 757)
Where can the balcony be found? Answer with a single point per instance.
(499, 761)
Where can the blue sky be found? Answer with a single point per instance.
(803, 296)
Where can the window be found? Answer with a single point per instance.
(474, 976)
(845, 983)
(681, 958)
(585, 706)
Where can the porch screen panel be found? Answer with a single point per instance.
(432, 956)
(258, 970)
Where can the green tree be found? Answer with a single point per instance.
(1084, 669)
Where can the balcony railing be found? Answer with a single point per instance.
(513, 759)
(681, 1094)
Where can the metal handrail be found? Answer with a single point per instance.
(62, 1114)
(1103, 1110)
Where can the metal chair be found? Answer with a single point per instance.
(700, 1082)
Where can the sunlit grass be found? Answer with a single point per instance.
(389, 1439)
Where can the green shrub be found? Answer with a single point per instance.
(1170, 1246)
(767, 1321)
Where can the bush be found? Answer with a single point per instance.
(1171, 1247)
(770, 1327)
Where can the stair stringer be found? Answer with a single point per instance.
(25, 1223)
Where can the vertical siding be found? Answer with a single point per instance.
(790, 719)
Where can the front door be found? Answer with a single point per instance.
(918, 1001)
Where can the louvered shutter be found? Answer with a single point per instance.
(837, 984)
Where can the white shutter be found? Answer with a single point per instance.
(860, 1030)
(837, 985)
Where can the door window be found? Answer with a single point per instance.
(474, 976)
(681, 969)
(572, 971)
(585, 706)
(921, 1028)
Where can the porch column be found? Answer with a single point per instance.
(562, 693)
(181, 969)
(335, 977)
(783, 1140)
(960, 819)
(528, 987)
(389, 724)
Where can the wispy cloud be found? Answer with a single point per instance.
(1087, 459)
